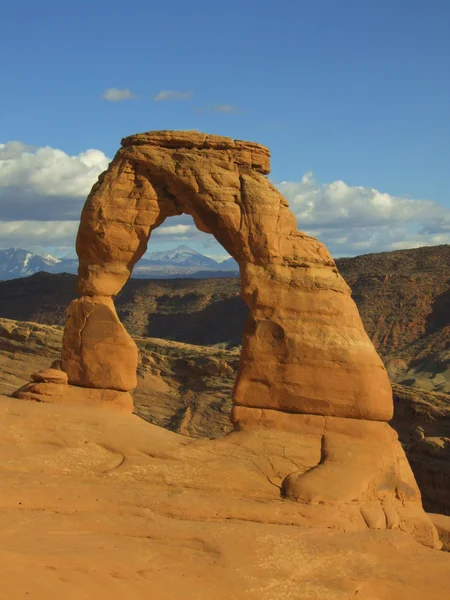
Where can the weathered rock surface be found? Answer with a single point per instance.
(30, 338)
(181, 387)
(51, 375)
(106, 506)
(188, 389)
(422, 420)
(305, 354)
(442, 524)
(97, 351)
(62, 393)
(404, 301)
(356, 462)
(304, 347)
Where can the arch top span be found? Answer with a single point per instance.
(219, 181)
(254, 156)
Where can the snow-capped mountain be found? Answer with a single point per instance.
(17, 262)
(181, 256)
(180, 262)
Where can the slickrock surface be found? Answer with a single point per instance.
(100, 505)
(188, 390)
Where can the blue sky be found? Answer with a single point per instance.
(352, 90)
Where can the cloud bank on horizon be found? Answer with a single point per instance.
(42, 191)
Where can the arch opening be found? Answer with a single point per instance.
(193, 335)
(180, 291)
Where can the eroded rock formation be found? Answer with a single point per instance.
(304, 348)
(307, 364)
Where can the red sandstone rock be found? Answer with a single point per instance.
(59, 393)
(306, 365)
(442, 524)
(304, 347)
(105, 506)
(97, 350)
(358, 462)
(50, 376)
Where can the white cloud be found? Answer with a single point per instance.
(50, 171)
(46, 183)
(31, 234)
(357, 219)
(336, 205)
(164, 95)
(175, 230)
(13, 150)
(42, 191)
(118, 94)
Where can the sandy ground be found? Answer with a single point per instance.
(96, 505)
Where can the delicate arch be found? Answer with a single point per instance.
(306, 364)
(304, 347)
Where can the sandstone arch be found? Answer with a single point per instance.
(309, 382)
(304, 346)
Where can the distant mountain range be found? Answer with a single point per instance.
(17, 262)
(178, 263)
(182, 256)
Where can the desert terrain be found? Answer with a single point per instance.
(267, 471)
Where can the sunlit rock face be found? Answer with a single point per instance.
(307, 367)
(304, 347)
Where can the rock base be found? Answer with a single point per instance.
(442, 524)
(50, 385)
(355, 464)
